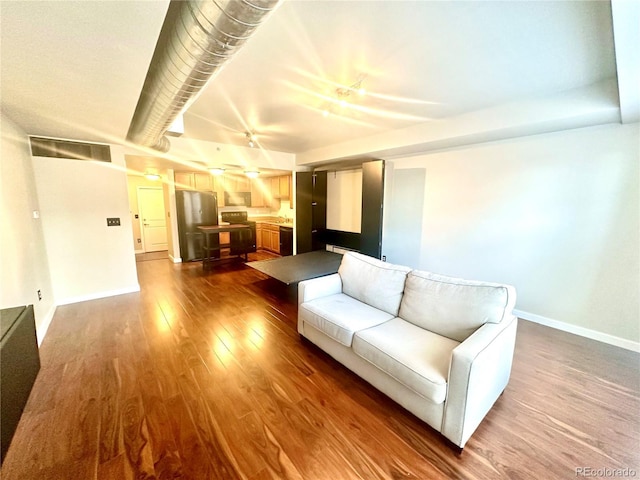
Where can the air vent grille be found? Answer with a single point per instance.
(50, 147)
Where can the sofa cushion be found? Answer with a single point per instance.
(373, 282)
(454, 307)
(417, 358)
(339, 316)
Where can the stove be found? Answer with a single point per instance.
(234, 217)
(243, 241)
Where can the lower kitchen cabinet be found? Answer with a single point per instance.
(268, 237)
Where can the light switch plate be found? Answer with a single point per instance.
(113, 222)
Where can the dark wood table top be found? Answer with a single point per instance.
(296, 268)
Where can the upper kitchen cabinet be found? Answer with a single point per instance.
(258, 197)
(285, 186)
(243, 184)
(202, 182)
(184, 180)
(234, 183)
(193, 181)
(274, 186)
(266, 191)
(280, 186)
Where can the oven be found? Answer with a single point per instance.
(242, 241)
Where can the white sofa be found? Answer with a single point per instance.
(441, 347)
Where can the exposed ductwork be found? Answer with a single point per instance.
(204, 35)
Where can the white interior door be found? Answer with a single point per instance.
(153, 222)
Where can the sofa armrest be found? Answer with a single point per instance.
(478, 374)
(319, 287)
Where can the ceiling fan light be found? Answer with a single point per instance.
(252, 173)
(216, 171)
(251, 137)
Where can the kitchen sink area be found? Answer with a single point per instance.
(274, 234)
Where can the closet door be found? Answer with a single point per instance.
(319, 211)
(304, 211)
(372, 202)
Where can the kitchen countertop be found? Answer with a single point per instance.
(273, 221)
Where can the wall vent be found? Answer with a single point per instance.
(51, 147)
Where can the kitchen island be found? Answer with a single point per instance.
(210, 251)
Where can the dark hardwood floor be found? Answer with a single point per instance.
(202, 375)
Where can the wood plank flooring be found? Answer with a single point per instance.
(202, 375)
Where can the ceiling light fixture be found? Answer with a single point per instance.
(152, 175)
(216, 171)
(251, 137)
(252, 173)
(342, 94)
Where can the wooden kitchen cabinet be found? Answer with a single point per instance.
(275, 240)
(193, 181)
(183, 180)
(243, 184)
(274, 187)
(257, 194)
(268, 237)
(202, 182)
(259, 243)
(284, 186)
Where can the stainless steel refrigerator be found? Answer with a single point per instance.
(195, 209)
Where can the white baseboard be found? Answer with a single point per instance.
(96, 295)
(41, 329)
(577, 330)
(175, 259)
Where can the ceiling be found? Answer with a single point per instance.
(75, 69)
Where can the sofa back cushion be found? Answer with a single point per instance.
(454, 307)
(373, 282)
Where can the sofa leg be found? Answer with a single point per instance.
(456, 449)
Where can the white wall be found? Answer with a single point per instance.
(24, 265)
(87, 258)
(344, 200)
(556, 215)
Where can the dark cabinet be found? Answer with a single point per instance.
(372, 204)
(20, 365)
(319, 211)
(304, 193)
(311, 211)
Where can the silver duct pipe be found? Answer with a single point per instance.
(205, 35)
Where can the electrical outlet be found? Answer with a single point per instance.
(384, 258)
(39, 295)
(139, 240)
(113, 222)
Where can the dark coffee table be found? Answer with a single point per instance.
(296, 268)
